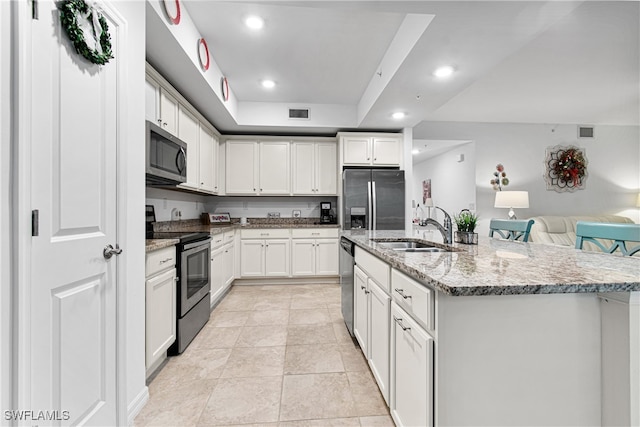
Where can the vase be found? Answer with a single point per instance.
(466, 237)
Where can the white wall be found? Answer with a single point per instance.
(164, 201)
(613, 155)
(258, 207)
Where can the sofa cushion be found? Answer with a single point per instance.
(561, 230)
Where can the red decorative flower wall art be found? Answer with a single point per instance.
(566, 168)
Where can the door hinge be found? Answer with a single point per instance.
(34, 9)
(35, 221)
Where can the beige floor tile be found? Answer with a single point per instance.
(313, 316)
(216, 338)
(312, 359)
(175, 405)
(262, 336)
(268, 304)
(315, 396)
(243, 400)
(254, 362)
(377, 421)
(335, 312)
(197, 364)
(341, 332)
(237, 302)
(225, 319)
(366, 394)
(299, 303)
(268, 317)
(311, 334)
(326, 422)
(353, 359)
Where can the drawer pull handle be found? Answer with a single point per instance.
(363, 287)
(315, 234)
(400, 291)
(165, 260)
(264, 234)
(218, 241)
(399, 322)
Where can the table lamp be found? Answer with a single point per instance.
(512, 199)
(638, 201)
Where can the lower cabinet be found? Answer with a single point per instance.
(160, 306)
(371, 326)
(314, 252)
(411, 364)
(264, 258)
(222, 264)
(217, 273)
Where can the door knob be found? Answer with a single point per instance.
(110, 251)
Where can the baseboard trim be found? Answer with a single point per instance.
(327, 280)
(137, 404)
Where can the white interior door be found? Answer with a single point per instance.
(72, 311)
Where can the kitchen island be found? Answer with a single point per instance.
(500, 333)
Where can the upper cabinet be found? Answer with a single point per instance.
(242, 165)
(208, 160)
(258, 167)
(188, 131)
(275, 168)
(315, 168)
(371, 149)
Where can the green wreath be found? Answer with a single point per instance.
(69, 10)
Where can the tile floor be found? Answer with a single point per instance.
(275, 355)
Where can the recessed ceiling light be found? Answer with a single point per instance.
(398, 115)
(254, 22)
(445, 71)
(268, 84)
(415, 151)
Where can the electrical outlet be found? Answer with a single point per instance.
(472, 206)
(245, 205)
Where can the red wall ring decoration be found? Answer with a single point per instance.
(174, 19)
(225, 89)
(205, 64)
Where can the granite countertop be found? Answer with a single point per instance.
(196, 225)
(498, 267)
(155, 244)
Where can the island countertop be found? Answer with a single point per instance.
(499, 267)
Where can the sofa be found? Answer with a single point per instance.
(561, 230)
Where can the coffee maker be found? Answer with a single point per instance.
(326, 217)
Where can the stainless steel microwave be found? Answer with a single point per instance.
(166, 157)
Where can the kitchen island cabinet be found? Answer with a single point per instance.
(516, 334)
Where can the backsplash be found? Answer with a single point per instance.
(260, 207)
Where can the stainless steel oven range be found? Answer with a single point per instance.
(193, 266)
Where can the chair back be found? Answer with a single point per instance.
(620, 234)
(511, 229)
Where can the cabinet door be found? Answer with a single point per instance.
(152, 101)
(386, 151)
(241, 167)
(275, 163)
(411, 371)
(229, 265)
(189, 132)
(169, 112)
(303, 256)
(277, 257)
(160, 315)
(217, 273)
(208, 169)
(327, 254)
(326, 169)
(303, 161)
(360, 309)
(252, 258)
(356, 150)
(379, 306)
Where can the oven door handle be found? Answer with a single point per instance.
(196, 244)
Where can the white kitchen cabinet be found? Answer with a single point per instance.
(160, 306)
(217, 273)
(241, 167)
(265, 253)
(314, 252)
(252, 258)
(360, 309)
(371, 150)
(152, 100)
(327, 256)
(208, 160)
(274, 168)
(189, 132)
(314, 168)
(276, 256)
(169, 108)
(228, 259)
(303, 257)
(411, 371)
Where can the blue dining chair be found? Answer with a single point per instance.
(621, 234)
(511, 229)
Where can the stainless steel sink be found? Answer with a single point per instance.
(410, 246)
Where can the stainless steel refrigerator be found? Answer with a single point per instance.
(373, 199)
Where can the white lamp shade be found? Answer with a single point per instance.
(512, 199)
(429, 203)
(638, 201)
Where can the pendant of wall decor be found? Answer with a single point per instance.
(172, 8)
(565, 168)
(225, 88)
(203, 54)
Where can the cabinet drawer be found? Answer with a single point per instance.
(217, 240)
(160, 260)
(265, 233)
(375, 268)
(415, 298)
(228, 236)
(314, 233)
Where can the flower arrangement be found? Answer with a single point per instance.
(499, 178)
(466, 221)
(570, 166)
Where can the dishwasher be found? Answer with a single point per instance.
(346, 281)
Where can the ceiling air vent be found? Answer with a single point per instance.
(585, 131)
(299, 113)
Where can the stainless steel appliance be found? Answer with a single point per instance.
(373, 199)
(193, 264)
(326, 214)
(346, 282)
(166, 156)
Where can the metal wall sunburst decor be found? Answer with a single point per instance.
(565, 168)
